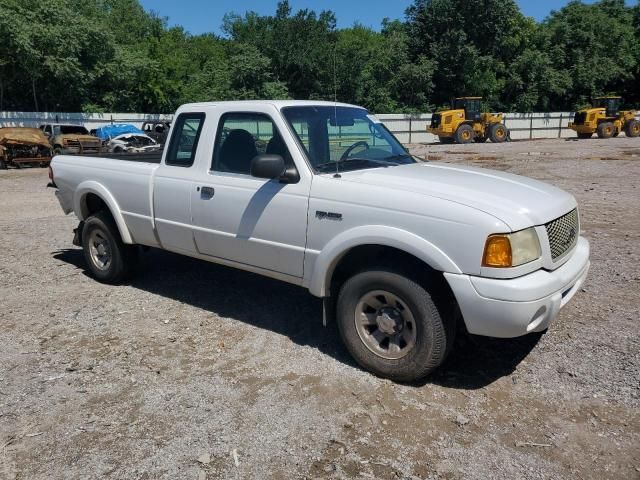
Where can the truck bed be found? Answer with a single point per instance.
(146, 157)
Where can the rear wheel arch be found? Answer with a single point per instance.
(92, 199)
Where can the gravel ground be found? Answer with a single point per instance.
(196, 371)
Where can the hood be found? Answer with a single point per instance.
(127, 137)
(78, 137)
(518, 201)
(23, 136)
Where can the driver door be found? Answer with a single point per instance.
(251, 221)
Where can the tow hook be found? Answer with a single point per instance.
(77, 235)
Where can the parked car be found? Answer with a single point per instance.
(132, 143)
(157, 130)
(22, 145)
(400, 250)
(107, 132)
(125, 137)
(71, 139)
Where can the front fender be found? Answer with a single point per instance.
(80, 206)
(328, 258)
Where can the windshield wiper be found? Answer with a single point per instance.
(398, 156)
(330, 166)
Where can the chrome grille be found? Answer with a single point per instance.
(563, 233)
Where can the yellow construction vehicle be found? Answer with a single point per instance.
(606, 119)
(466, 123)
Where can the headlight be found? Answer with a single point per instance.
(511, 249)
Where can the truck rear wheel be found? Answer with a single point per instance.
(632, 128)
(108, 258)
(464, 134)
(498, 133)
(606, 130)
(393, 326)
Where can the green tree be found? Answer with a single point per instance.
(595, 45)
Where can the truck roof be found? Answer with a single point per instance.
(276, 103)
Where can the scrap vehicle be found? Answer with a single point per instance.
(322, 195)
(605, 119)
(109, 131)
(157, 130)
(124, 137)
(21, 145)
(466, 123)
(132, 143)
(71, 139)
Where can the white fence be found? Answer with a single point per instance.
(409, 128)
(89, 120)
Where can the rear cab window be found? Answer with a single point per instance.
(184, 139)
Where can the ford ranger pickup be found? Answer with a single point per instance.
(322, 195)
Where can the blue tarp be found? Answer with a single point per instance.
(110, 131)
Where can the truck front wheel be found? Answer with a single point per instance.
(108, 258)
(393, 326)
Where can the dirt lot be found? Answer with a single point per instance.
(196, 371)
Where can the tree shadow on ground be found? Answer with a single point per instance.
(291, 311)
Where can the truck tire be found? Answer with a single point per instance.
(584, 135)
(606, 130)
(108, 258)
(393, 326)
(464, 133)
(498, 133)
(632, 128)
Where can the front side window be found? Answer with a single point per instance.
(242, 136)
(344, 138)
(184, 140)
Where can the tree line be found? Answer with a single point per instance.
(112, 55)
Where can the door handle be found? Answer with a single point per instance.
(206, 192)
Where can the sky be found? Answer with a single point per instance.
(201, 16)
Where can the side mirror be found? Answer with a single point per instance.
(267, 166)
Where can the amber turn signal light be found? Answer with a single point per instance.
(497, 252)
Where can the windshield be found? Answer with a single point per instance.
(344, 138)
(70, 129)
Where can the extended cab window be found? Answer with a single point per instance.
(242, 136)
(184, 140)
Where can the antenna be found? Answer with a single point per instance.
(335, 97)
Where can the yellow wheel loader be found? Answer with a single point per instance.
(466, 123)
(606, 119)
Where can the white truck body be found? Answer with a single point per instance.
(437, 213)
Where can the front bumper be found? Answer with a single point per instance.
(517, 306)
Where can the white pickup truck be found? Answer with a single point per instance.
(323, 196)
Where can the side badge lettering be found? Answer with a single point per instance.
(328, 215)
